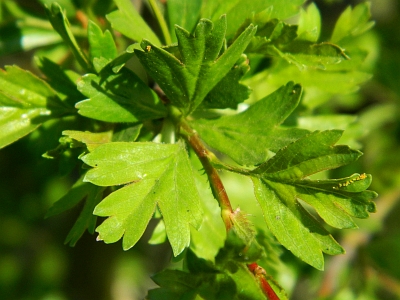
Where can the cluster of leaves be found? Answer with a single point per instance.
(137, 130)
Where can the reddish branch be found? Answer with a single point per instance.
(220, 194)
(216, 184)
(259, 273)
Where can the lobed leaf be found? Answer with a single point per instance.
(102, 47)
(156, 175)
(320, 84)
(248, 137)
(90, 139)
(352, 22)
(187, 79)
(26, 101)
(280, 184)
(120, 97)
(238, 11)
(229, 92)
(309, 27)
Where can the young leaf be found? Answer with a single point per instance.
(102, 47)
(229, 92)
(26, 102)
(238, 11)
(249, 136)
(129, 22)
(280, 183)
(309, 24)
(157, 175)
(185, 13)
(119, 62)
(60, 23)
(120, 97)
(86, 220)
(308, 55)
(352, 22)
(344, 78)
(61, 80)
(187, 80)
(126, 132)
(92, 140)
(228, 278)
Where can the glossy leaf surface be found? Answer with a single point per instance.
(248, 137)
(155, 175)
(281, 182)
(102, 47)
(187, 79)
(26, 102)
(120, 97)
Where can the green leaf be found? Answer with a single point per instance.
(26, 102)
(238, 11)
(308, 55)
(16, 37)
(229, 92)
(352, 22)
(228, 278)
(278, 39)
(157, 175)
(353, 129)
(102, 47)
(321, 85)
(129, 22)
(186, 80)
(92, 140)
(248, 137)
(117, 63)
(68, 5)
(159, 235)
(272, 33)
(86, 220)
(281, 182)
(126, 133)
(309, 24)
(61, 80)
(185, 13)
(59, 21)
(120, 97)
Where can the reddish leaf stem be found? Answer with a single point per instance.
(259, 274)
(220, 194)
(216, 184)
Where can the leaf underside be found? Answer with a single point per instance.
(281, 182)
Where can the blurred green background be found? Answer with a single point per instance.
(35, 263)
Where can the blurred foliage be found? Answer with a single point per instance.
(34, 264)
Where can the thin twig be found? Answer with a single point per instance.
(216, 184)
(259, 273)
